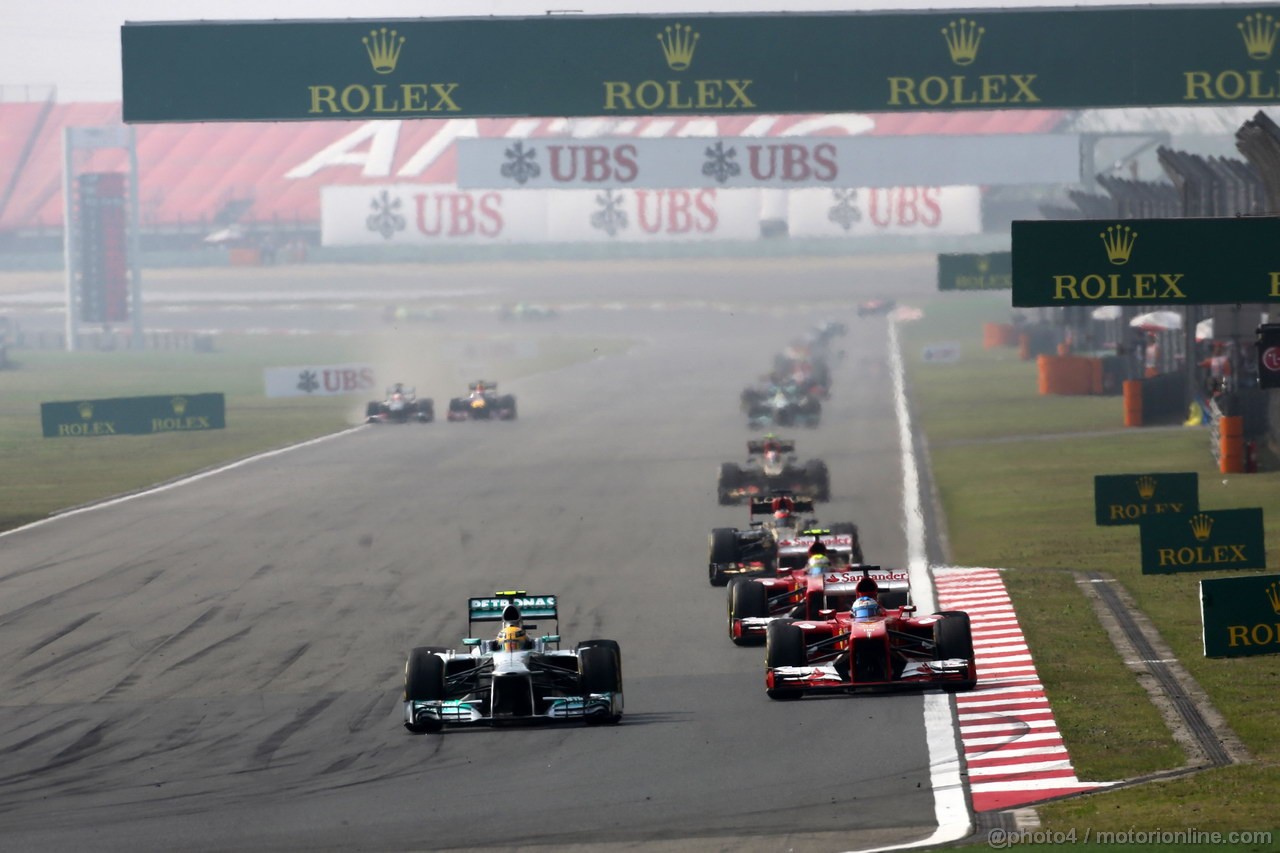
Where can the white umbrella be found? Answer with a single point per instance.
(1157, 321)
(1204, 330)
(1106, 312)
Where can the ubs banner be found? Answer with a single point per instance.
(319, 380)
(134, 415)
(1240, 616)
(776, 163)
(899, 211)
(425, 214)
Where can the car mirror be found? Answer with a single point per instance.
(908, 608)
(551, 638)
(826, 614)
(472, 641)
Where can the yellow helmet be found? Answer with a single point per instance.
(513, 638)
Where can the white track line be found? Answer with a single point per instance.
(950, 808)
(183, 481)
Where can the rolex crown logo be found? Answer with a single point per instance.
(1119, 240)
(678, 44)
(1146, 487)
(984, 265)
(86, 410)
(1201, 526)
(1259, 34)
(179, 405)
(963, 37)
(383, 46)
(1273, 595)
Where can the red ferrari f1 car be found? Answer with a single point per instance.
(844, 650)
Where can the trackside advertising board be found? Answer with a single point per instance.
(319, 380)
(779, 163)
(1142, 261)
(133, 415)
(1205, 541)
(992, 271)
(701, 64)
(1129, 498)
(1240, 616)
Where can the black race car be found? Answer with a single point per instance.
(772, 465)
(401, 406)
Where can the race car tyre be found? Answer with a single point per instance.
(426, 411)
(723, 546)
(716, 575)
(424, 676)
(953, 640)
(784, 646)
(508, 402)
(819, 479)
(457, 404)
(601, 669)
(747, 599)
(848, 528)
(730, 475)
(373, 410)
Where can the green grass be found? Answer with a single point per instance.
(58, 473)
(1016, 501)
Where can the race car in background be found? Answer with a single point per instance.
(786, 405)
(777, 542)
(839, 650)
(483, 403)
(520, 677)
(401, 406)
(875, 307)
(755, 602)
(772, 465)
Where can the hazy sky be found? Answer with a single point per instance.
(75, 44)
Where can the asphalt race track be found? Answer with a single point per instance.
(219, 665)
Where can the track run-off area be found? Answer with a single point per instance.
(218, 663)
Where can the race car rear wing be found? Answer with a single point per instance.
(488, 386)
(492, 609)
(764, 506)
(755, 448)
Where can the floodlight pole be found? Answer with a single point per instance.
(69, 241)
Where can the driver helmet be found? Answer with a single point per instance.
(512, 638)
(865, 607)
(819, 564)
(782, 508)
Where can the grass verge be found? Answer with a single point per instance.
(48, 475)
(1014, 472)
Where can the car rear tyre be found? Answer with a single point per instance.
(784, 646)
(424, 676)
(723, 546)
(953, 640)
(819, 479)
(600, 665)
(730, 476)
(747, 600)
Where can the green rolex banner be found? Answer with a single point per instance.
(1127, 498)
(1240, 616)
(134, 415)
(1206, 541)
(992, 271)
